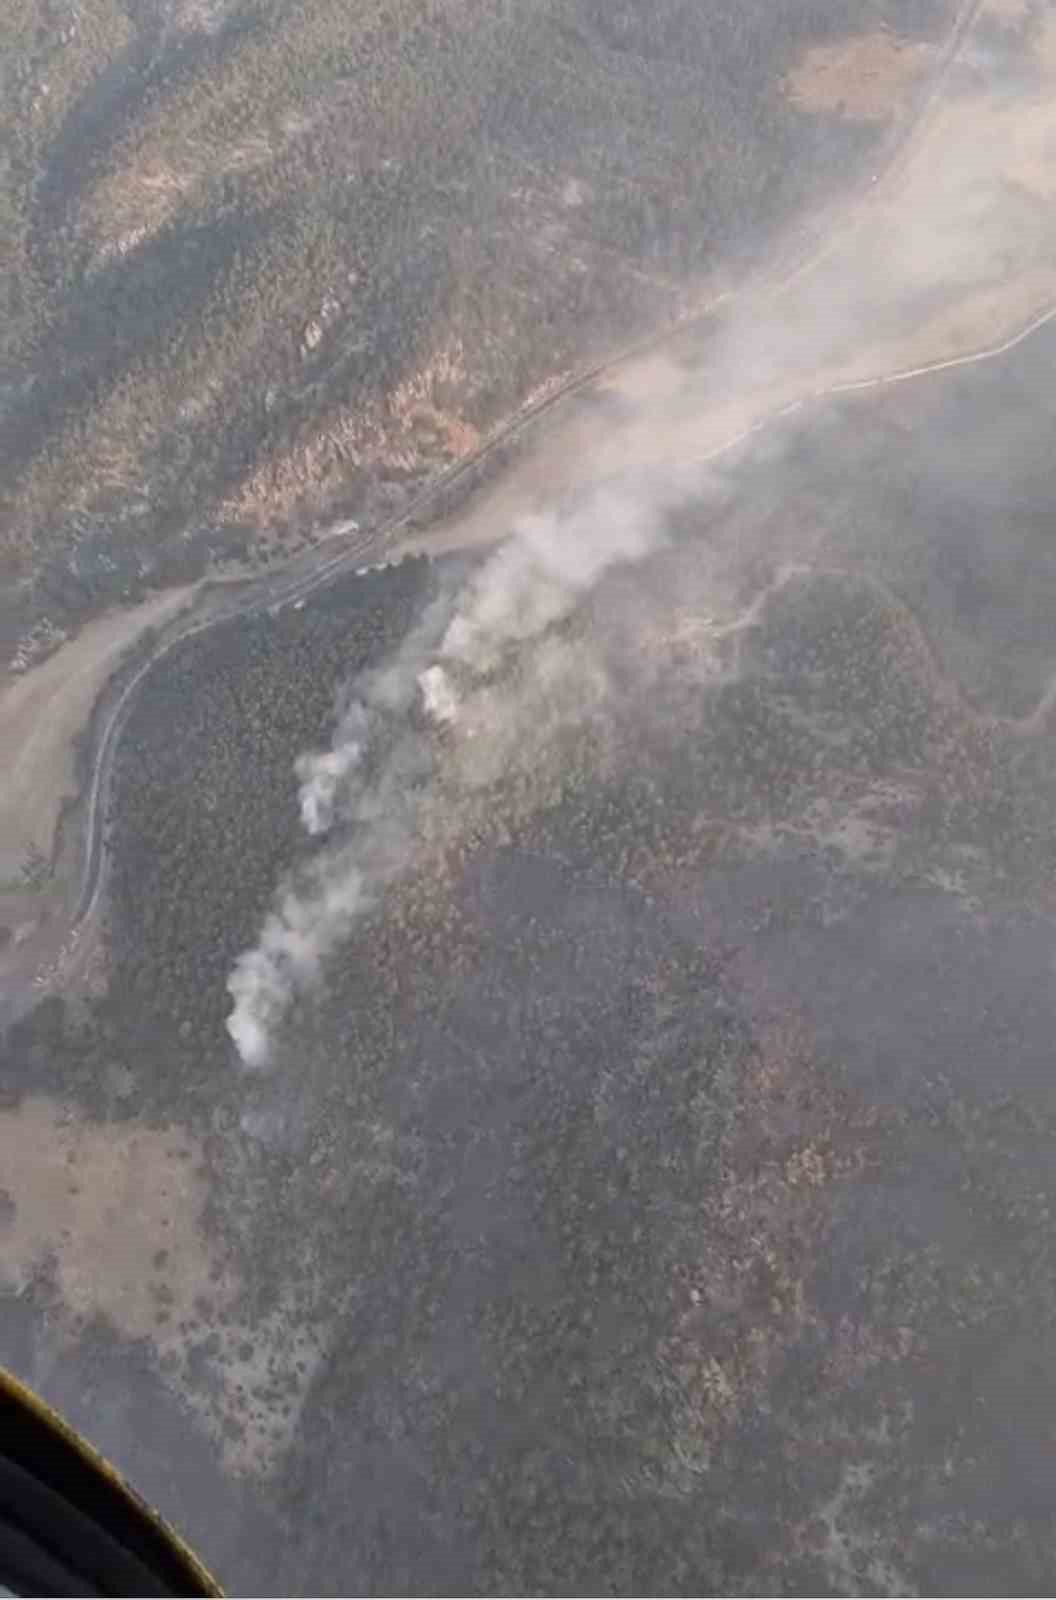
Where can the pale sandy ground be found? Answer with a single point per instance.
(42, 711)
(857, 78)
(117, 1210)
(953, 251)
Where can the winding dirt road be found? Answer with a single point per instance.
(938, 264)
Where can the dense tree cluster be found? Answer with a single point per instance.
(205, 816)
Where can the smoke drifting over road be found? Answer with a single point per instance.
(947, 257)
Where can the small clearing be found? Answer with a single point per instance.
(865, 78)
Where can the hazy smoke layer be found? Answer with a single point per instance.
(962, 227)
(367, 788)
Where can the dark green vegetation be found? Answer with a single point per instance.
(210, 823)
(667, 1158)
(262, 261)
(665, 1169)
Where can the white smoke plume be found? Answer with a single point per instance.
(321, 777)
(439, 698)
(369, 785)
(948, 253)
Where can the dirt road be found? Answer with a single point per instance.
(946, 258)
(40, 714)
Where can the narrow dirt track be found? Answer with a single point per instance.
(697, 420)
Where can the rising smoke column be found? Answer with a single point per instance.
(370, 785)
(365, 789)
(970, 217)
